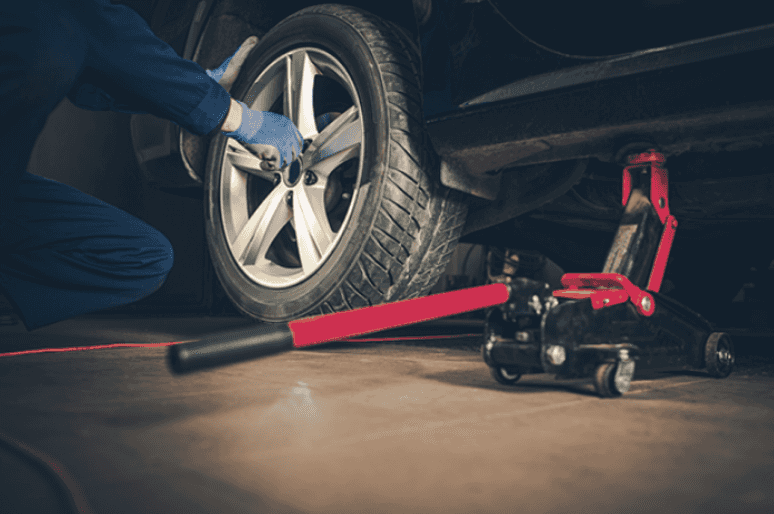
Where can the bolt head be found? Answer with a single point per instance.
(646, 303)
(289, 198)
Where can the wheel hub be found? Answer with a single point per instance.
(293, 173)
(724, 356)
(623, 375)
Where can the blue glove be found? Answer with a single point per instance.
(226, 73)
(273, 136)
(218, 72)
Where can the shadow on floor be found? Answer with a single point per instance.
(529, 384)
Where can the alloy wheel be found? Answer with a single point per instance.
(281, 225)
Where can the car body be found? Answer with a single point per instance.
(532, 109)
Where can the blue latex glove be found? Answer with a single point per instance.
(226, 73)
(218, 72)
(274, 137)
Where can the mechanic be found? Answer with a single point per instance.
(62, 252)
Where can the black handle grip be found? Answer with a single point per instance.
(231, 346)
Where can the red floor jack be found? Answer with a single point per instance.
(599, 326)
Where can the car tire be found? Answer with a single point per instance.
(400, 226)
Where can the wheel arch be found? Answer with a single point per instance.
(264, 15)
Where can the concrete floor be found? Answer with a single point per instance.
(372, 428)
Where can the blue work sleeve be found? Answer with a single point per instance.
(90, 97)
(129, 69)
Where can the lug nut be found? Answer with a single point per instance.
(289, 198)
(310, 178)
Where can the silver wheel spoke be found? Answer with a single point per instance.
(240, 157)
(289, 85)
(313, 231)
(338, 142)
(299, 85)
(256, 236)
(262, 95)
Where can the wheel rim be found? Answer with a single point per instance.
(281, 226)
(724, 356)
(622, 378)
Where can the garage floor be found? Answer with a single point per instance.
(368, 428)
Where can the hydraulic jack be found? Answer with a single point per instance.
(599, 326)
(603, 323)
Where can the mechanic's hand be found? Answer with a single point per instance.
(226, 73)
(273, 136)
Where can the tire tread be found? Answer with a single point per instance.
(419, 221)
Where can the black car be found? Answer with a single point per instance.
(499, 122)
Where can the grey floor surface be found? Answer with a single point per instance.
(372, 428)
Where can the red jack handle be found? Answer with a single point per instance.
(271, 338)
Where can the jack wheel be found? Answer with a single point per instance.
(612, 379)
(505, 375)
(719, 355)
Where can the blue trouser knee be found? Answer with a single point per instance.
(66, 253)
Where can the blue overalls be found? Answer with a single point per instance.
(62, 252)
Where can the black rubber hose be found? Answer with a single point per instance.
(66, 490)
